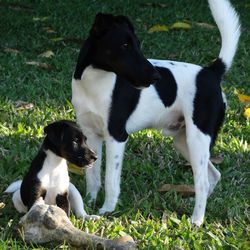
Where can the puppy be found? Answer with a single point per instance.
(47, 179)
(116, 91)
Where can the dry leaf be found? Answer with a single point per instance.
(47, 54)
(21, 105)
(17, 6)
(243, 98)
(49, 30)
(41, 19)
(2, 205)
(154, 5)
(247, 112)
(205, 25)
(57, 39)
(217, 159)
(180, 25)
(39, 64)
(158, 28)
(10, 50)
(184, 190)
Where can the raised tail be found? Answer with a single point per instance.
(13, 187)
(228, 23)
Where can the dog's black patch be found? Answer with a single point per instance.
(209, 108)
(124, 101)
(166, 87)
(113, 46)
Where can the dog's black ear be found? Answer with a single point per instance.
(54, 132)
(84, 58)
(125, 20)
(102, 23)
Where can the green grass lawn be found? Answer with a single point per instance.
(155, 220)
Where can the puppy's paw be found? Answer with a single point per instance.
(92, 217)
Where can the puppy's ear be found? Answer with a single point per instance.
(54, 132)
(83, 58)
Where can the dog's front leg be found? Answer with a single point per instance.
(93, 175)
(114, 158)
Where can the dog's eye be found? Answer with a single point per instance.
(126, 46)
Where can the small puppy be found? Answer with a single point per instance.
(47, 180)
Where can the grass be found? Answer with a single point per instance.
(153, 219)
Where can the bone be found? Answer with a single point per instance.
(44, 223)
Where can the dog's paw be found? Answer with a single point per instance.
(106, 209)
(196, 222)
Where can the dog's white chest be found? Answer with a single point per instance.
(54, 177)
(91, 98)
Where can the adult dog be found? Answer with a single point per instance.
(47, 180)
(116, 91)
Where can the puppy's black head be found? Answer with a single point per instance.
(65, 139)
(113, 46)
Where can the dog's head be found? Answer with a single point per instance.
(65, 139)
(113, 46)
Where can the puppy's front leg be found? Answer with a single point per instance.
(62, 201)
(114, 158)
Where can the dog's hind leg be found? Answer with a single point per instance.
(93, 175)
(180, 144)
(199, 151)
(213, 177)
(114, 158)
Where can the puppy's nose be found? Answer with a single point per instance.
(93, 156)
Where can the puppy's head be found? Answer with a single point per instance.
(65, 139)
(113, 46)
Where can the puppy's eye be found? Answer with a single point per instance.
(76, 141)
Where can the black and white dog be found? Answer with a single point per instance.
(47, 180)
(116, 91)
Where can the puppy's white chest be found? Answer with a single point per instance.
(54, 179)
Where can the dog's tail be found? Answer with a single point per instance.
(13, 187)
(228, 23)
